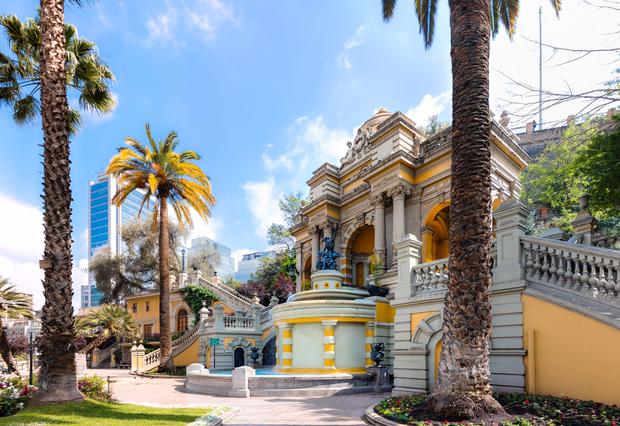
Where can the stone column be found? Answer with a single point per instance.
(134, 358)
(329, 344)
(408, 249)
(287, 345)
(370, 339)
(219, 318)
(398, 194)
(379, 203)
(300, 267)
(315, 248)
(510, 219)
(427, 244)
(584, 223)
(140, 352)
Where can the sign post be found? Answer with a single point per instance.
(213, 342)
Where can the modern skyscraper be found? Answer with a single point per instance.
(105, 223)
(226, 266)
(249, 263)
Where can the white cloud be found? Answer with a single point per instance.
(429, 105)
(262, 200)
(202, 228)
(203, 17)
(21, 247)
(579, 26)
(311, 143)
(356, 40)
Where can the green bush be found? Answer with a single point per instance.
(95, 387)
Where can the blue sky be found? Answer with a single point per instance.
(265, 91)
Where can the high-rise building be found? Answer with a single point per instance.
(226, 265)
(105, 222)
(249, 263)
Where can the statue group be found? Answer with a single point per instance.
(327, 256)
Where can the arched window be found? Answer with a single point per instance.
(182, 324)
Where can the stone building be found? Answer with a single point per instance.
(393, 181)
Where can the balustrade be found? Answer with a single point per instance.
(589, 271)
(431, 276)
(239, 322)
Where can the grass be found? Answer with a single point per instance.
(90, 412)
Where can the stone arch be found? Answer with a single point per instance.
(427, 339)
(436, 226)
(359, 245)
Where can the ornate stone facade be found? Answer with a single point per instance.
(393, 181)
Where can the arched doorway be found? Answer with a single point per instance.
(305, 276)
(182, 321)
(360, 247)
(239, 357)
(435, 242)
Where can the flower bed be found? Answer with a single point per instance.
(527, 409)
(14, 394)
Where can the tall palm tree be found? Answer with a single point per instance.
(20, 77)
(463, 388)
(104, 322)
(57, 378)
(169, 177)
(12, 305)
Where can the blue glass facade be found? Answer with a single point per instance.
(106, 221)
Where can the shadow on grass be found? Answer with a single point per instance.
(91, 412)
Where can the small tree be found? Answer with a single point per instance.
(195, 295)
(104, 322)
(205, 259)
(12, 305)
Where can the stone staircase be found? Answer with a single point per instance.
(227, 295)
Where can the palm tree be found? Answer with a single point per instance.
(57, 378)
(12, 305)
(463, 388)
(169, 177)
(104, 322)
(20, 77)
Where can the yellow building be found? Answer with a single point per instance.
(556, 306)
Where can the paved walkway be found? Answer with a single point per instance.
(170, 392)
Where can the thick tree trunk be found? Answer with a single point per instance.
(164, 285)
(95, 343)
(463, 388)
(57, 381)
(5, 351)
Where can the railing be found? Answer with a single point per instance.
(431, 276)
(152, 359)
(229, 297)
(265, 317)
(239, 322)
(588, 271)
(107, 352)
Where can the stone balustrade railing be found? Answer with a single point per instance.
(152, 359)
(228, 296)
(238, 322)
(265, 317)
(430, 276)
(588, 271)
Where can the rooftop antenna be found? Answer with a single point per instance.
(540, 120)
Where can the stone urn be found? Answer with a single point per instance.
(254, 355)
(378, 353)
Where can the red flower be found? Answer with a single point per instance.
(526, 402)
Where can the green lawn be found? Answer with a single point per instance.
(90, 412)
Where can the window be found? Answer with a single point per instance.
(148, 306)
(182, 324)
(148, 330)
(134, 308)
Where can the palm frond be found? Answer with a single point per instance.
(387, 7)
(426, 10)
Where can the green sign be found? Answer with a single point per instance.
(214, 341)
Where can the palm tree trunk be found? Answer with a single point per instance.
(58, 381)
(463, 389)
(95, 343)
(5, 351)
(164, 285)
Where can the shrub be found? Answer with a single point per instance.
(14, 394)
(94, 387)
(19, 345)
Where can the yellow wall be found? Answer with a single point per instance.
(569, 353)
(415, 320)
(152, 316)
(188, 356)
(384, 312)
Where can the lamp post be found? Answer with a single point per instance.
(183, 260)
(31, 353)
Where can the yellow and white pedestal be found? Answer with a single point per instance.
(325, 330)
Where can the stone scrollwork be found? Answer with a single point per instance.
(377, 199)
